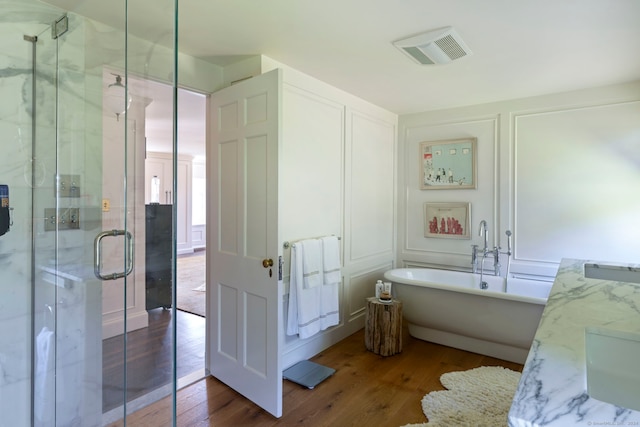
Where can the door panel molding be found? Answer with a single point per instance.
(245, 324)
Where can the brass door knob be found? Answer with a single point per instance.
(267, 262)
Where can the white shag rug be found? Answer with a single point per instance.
(479, 397)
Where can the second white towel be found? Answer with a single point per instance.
(332, 275)
(331, 260)
(311, 263)
(314, 286)
(303, 316)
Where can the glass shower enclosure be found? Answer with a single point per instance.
(72, 188)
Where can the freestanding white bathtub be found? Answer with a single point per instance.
(449, 308)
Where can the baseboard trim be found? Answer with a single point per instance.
(114, 327)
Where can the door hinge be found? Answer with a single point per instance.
(59, 27)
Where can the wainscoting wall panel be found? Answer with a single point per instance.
(557, 170)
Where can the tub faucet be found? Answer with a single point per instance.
(495, 252)
(474, 258)
(475, 249)
(496, 264)
(496, 260)
(483, 233)
(496, 255)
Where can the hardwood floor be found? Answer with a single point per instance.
(149, 356)
(366, 390)
(149, 349)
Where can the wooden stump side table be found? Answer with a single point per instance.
(383, 327)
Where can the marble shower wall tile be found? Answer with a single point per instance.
(15, 257)
(67, 148)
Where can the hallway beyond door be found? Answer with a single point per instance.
(191, 283)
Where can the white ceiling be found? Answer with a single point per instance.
(520, 48)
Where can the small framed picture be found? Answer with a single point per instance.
(447, 220)
(448, 165)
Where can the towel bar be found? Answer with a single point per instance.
(287, 245)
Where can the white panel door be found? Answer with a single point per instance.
(245, 296)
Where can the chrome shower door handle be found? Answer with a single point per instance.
(97, 256)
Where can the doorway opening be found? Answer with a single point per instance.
(167, 192)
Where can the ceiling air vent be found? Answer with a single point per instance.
(434, 47)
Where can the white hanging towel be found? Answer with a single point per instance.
(332, 275)
(331, 260)
(303, 314)
(311, 262)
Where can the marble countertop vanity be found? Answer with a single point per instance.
(553, 387)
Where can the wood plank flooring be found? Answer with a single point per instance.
(366, 390)
(149, 356)
(149, 349)
(191, 274)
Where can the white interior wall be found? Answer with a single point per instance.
(336, 177)
(370, 205)
(199, 184)
(311, 178)
(557, 170)
(581, 167)
(199, 205)
(482, 199)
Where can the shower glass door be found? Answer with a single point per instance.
(66, 342)
(72, 295)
